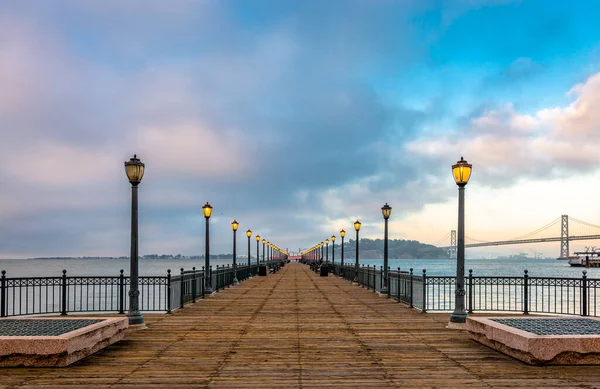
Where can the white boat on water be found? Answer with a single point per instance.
(585, 259)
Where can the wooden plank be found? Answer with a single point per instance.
(295, 329)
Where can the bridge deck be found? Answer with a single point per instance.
(295, 329)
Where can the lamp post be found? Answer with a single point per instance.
(357, 228)
(333, 250)
(342, 234)
(134, 168)
(257, 250)
(386, 210)
(327, 251)
(234, 227)
(268, 251)
(249, 234)
(207, 210)
(461, 172)
(263, 242)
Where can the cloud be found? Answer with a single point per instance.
(193, 151)
(245, 118)
(271, 112)
(505, 145)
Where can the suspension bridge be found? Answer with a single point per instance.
(563, 229)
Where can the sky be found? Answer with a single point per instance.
(295, 119)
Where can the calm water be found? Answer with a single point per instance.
(153, 267)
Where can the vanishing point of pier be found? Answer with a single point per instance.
(294, 329)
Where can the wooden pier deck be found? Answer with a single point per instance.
(295, 329)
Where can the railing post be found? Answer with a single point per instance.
(381, 273)
(194, 284)
(3, 294)
(411, 288)
(202, 284)
(374, 278)
(398, 285)
(584, 288)
(361, 279)
(228, 282)
(181, 291)
(470, 286)
(168, 291)
(526, 293)
(63, 309)
(388, 281)
(121, 292)
(217, 281)
(424, 310)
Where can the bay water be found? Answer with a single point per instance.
(157, 267)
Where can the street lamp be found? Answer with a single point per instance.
(249, 234)
(357, 228)
(263, 242)
(322, 249)
(257, 250)
(333, 250)
(386, 210)
(134, 168)
(327, 251)
(461, 172)
(207, 210)
(342, 234)
(234, 227)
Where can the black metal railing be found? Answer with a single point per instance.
(73, 294)
(526, 294)
(65, 294)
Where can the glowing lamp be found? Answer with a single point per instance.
(461, 172)
(134, 168)
(207, 210)
(386, 210)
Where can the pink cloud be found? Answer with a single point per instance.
(505, 144)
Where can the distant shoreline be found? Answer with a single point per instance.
(73, 258)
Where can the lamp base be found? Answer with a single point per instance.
(458, 317)
(235, 281)
(135, 318)
(456, 326)
(383, 292)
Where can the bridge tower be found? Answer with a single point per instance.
(452, 251)
(564, 237)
